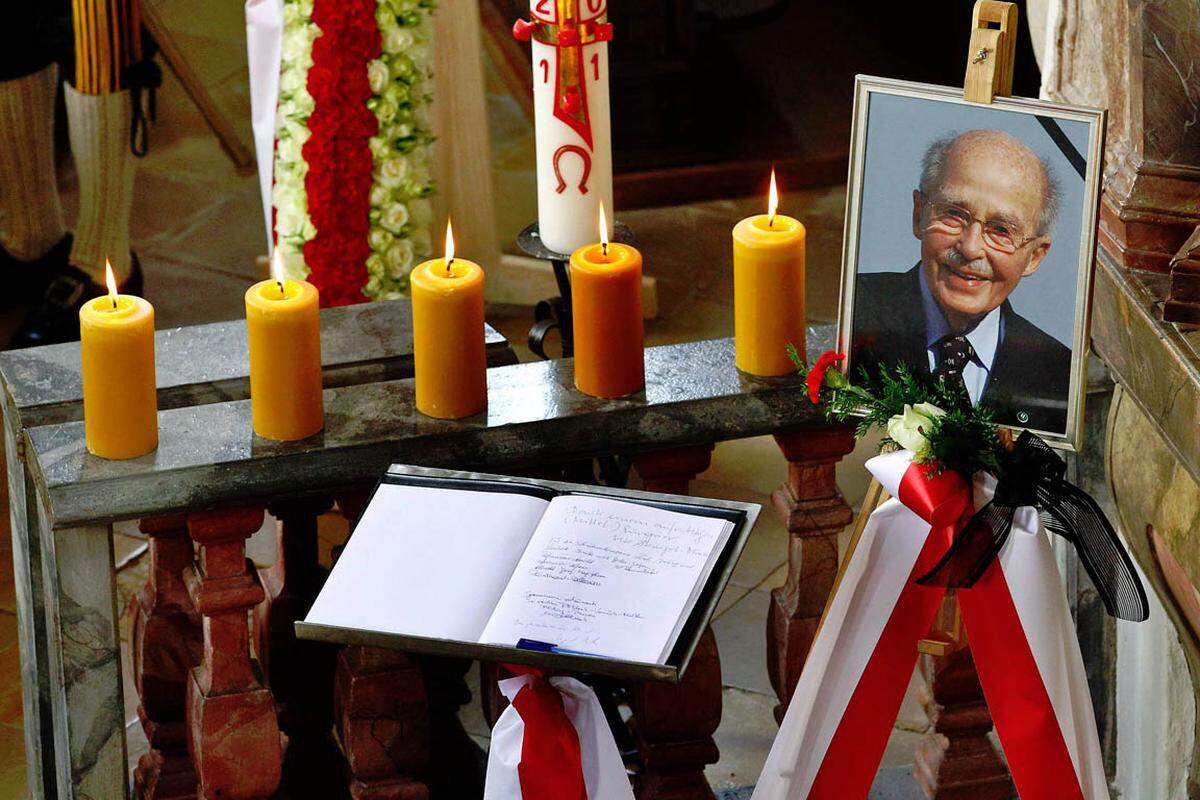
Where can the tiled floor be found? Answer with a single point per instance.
(197, 227)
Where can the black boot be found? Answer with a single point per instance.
(56, 319)
(22, 283)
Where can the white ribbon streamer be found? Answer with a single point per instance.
(876, 574)
(603, 771)
(264, 52)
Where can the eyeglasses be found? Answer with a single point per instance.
(999, 235)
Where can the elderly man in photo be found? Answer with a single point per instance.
(983, 213)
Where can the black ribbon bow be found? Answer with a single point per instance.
(1034, 477)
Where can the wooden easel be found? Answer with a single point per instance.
(990, 60)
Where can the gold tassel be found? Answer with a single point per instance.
(107, 41)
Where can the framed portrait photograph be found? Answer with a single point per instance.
(969, 242)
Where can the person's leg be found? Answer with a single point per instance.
(99, 118)
(33, 217)
(99, 127)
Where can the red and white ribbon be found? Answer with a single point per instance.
(1021, 636)
(553, 743)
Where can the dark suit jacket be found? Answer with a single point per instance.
(1030, 379)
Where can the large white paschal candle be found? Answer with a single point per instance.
(570, 100)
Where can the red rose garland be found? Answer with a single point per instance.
(338, 152)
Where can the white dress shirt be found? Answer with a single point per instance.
(984, 338)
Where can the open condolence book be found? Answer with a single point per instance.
(531, 571)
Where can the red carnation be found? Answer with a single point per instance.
(816, 375)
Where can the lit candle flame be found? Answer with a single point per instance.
(603, 230)
(772, 200)
(277, 269)
(449, 244)
(111, 282)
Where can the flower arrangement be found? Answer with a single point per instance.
(930, 416)
(352, 171)
(933, 418)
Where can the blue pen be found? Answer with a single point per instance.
(548, 647)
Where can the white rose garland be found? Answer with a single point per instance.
(400, 83)
(400, 213)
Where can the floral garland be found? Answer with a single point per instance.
(400, 214)
(352, 172)
(932, 417)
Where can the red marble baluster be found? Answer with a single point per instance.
(382, 715)
(673, 727)
(232, 728)
(956, 759)
(673, 724)
(381, 710)
(167, 643)
(299, 672)
(815, 513)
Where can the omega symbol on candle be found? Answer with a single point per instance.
(584, 155)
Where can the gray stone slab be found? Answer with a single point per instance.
(208, 456)
(27, 582)
(84, 647)
(210, 363)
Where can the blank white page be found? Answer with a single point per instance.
(425, 561)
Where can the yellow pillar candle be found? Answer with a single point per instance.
(606, 311)
(449, 362)
(120, 399)
(283, 325)
(768, 290)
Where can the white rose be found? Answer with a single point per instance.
(399, 258)
(290, 80)
(296, 50)
(911, 429)
(395, 217)
(397, 93)
(380, 149)
(376, 265)
(396, 39)
(373, 286)
(287, 109)
(292, 14)
(378, 76)
(289, 220)
(393, 171)
(379, 240)
(379, 196)
(290, 149)
(385, 111)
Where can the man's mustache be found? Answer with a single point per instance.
(954, 259)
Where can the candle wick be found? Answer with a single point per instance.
(282, 292)
(771, 221)
(604, 247)
(114, 302)
(449, 264)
